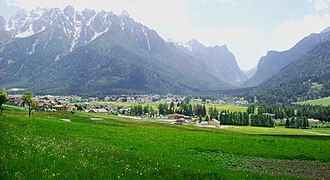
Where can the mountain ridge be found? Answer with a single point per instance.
(217, 59)
(304, 79)
(275, 61)
(42, 54)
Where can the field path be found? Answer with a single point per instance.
(318, 133)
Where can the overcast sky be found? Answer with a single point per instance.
(249, 28)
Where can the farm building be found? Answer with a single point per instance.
(214, 122)
(99, 111)
(204, 123)
(175, 116)
(61, 107)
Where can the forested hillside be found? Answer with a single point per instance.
(306, 78)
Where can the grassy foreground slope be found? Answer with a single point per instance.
(44, 146)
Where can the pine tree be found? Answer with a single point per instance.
(287, 123)
(204, 110)
(200, 118)
(250, 109)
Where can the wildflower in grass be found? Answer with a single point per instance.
(18, 175)
(45, 171)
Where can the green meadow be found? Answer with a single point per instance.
(322, 101)
(277, 131)
(227, 107)
(44, 146)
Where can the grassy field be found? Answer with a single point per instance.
(278, 131)
(323, 102)
(44, 146)
(228, 107)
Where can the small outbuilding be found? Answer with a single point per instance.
(99, 111)
(204, 123)
(60, 107)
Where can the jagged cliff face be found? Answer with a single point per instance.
(71, 52)
(218, 60)
(79, 28)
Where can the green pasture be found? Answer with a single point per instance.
(322, 101)
(227, 107)
(279, 130)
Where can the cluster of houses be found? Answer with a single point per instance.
(107, 109)
(181, 119)
(48, 102)
(69, 103)
(136, 99)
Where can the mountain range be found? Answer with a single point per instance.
(88, 52)
(54, 51)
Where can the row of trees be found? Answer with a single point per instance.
(263, 120)
(225, 117)
(138, 110)
(183, 108)
(318, 112)
(234, 118)
(243, 119)
(288, 111)
(301, 122)
(279, 111)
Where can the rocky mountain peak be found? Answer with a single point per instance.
(2, 23)
(326, 30)
(124, 13)
(218, 60)
(79, 27)
(223, 47)
(194, 45)
(69, 11)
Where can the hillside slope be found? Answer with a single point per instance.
(306, 78)
(275, 61)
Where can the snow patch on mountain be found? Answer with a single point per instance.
(122, 24)
(146, 36)
(26, 33)
(58, 57)
(98, 34)
(33, 48)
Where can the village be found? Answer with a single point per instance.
(121, 105)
